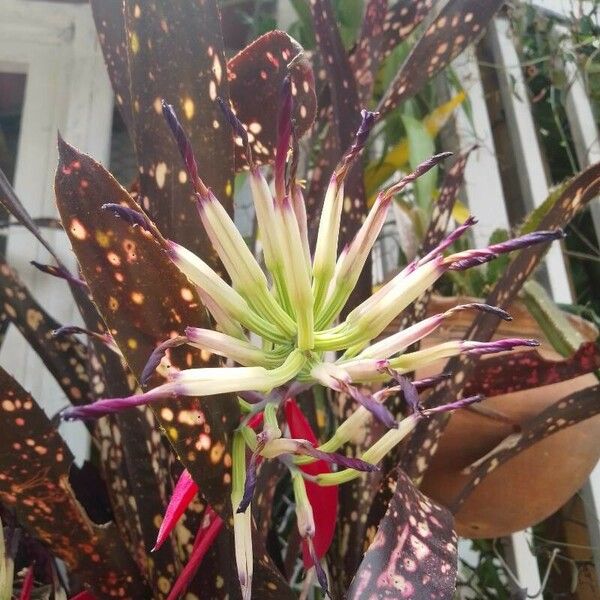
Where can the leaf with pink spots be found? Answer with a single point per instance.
(34, 482)
(383, 29)
(498, 375)
(414, 552)
(255, 75)
(457, 26)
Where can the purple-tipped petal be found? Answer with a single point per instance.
(379, 411)
(250, 483)
(60, 272)
(426, 412)
(478, 256)
(185, 148)
(476, 348)
(335, 458)
(535, 237)
(236, 126)
(408, 389)
(487, 308)
(131, 216)
(429, 382)
(284, 136)
(183, 494)
(108, 406)
(158, 354)
(448, 240)
(360, 139)
(104, 338)
(469, 259)
(421, 169)
(321, 575)
(410, 393)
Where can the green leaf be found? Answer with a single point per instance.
(420, 147)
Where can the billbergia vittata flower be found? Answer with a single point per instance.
(280, 331)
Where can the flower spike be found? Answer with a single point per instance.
(104, 338)
(183, 494)
(470, 258)
(238, 129)
(368, 119)
(185, 148)
(329, 223)
(284, 136)
(157, 355)
(59, 271)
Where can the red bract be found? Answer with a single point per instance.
(85, 595)
(204, 538)
(325, 498)
(184, 492)
(27, 585)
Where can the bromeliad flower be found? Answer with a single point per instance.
(294, 311)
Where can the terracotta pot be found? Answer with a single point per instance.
(532, 486)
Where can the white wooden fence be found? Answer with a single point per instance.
(67, 89)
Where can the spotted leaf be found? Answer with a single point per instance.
(576, 194)
(525, 370)
(175, 53)
(144, 299)
(256, 74)
(344, 123)
(34, 481)
(457, 25)
(562, 414)
(10, 201)
(109, 19)
(383, 29)
(414, 552)
(66, 357)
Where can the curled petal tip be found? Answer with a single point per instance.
(158, 354)
(236, 126)
(129, 215)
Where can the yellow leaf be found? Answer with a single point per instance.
(397, 157)
(460, 213)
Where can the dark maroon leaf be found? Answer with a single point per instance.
(558, 416)
(524, 370)
(14, 206)
(66, 358)
(383, 29)
(457, 25)
(175, 53)
(344, 97)
(344, 121)
(577, 193)
(143, 299)
(414, 552)
(34, 482)
(110, 25)
(256, 75)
